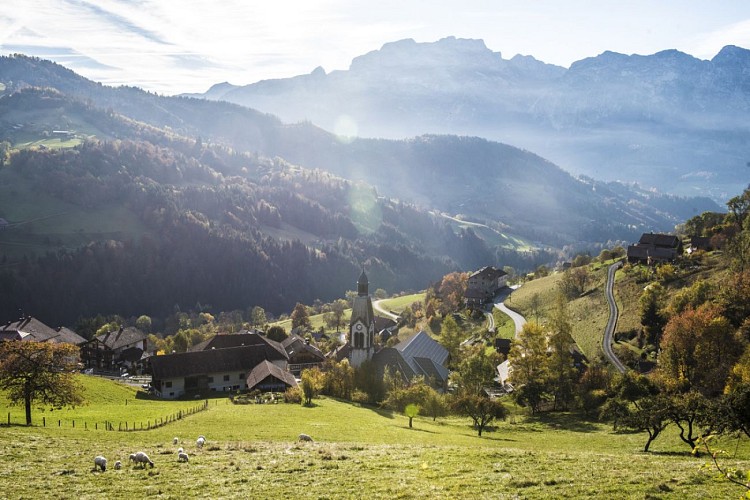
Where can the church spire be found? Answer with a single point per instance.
(362, 284)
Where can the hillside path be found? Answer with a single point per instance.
(612, 323)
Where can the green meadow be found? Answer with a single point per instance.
(252, 451)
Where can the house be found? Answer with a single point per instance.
(483, 285)
(419, 355)
(267, 377)
(302, 354)
(655, 248)
(699, 243)
(31, 329)
(114, 351)
(242, 338)
(215, 370)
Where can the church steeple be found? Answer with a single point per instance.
(362, 284)
(362, 324)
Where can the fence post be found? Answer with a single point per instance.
(8, 418)
(44, 421)
(85, 426)
(59, 423)
(74, 424)
(96, 426)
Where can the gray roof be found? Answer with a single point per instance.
(490, 272)
(244, 338)
(29, 328)
(124, 337)
(230, 359)
(417, 355)
(266, 369)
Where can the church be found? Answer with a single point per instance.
(360, 345)
(417, 356)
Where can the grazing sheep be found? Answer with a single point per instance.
(141, 458)
(200, 441)
(180, 450)
(305, 437)
(118, 465)
(100, 461)
(183, 457)
(175, 440)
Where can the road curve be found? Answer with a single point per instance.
(612, 323)
(388, 314)
(518, 320)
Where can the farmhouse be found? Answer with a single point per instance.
(268, 377)
(31, 329)
(655, 248)
(483, 285)
(216, 370)
(242, 338)
(112, 351)
(419, 355)
(302, 354)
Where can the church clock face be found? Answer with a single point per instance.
(358, 327)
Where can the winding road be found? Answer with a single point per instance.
(518, 320)
(612, 323)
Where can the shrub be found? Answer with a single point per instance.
(293, 395)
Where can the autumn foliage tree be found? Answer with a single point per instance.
(699, 348)
(39, 372)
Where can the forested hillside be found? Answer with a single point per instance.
(120, 201)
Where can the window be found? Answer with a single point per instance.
(210, 380)
(242, 376)
(169, 384)
(226, 378)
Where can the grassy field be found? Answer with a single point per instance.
(252, 452)
(588, 313)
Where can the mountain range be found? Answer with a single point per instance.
(120, 200)
(667, 120)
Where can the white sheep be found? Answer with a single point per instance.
(183, 457)
(175, 440)
(100, 461)
(180, 450)
(200, 441)
(141, 458)
(118, 465)
(305, 437)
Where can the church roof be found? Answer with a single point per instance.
(362, 310)
(417, 355)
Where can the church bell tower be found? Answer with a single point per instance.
(362, 325)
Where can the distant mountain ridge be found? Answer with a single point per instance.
(667, 120)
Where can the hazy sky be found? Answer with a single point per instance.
(171, 46)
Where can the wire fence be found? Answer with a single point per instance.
(111, 425)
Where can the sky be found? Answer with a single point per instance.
(176, 46)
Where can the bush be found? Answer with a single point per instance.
(360, 397)
(293, 395)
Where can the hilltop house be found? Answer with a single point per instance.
(419, 355)
(655, 248)
(31, 329)
(220, 369)
(113, 351)
(483, 285)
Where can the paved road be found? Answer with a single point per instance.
(376, 306)
(612, 323)
(518, 320)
